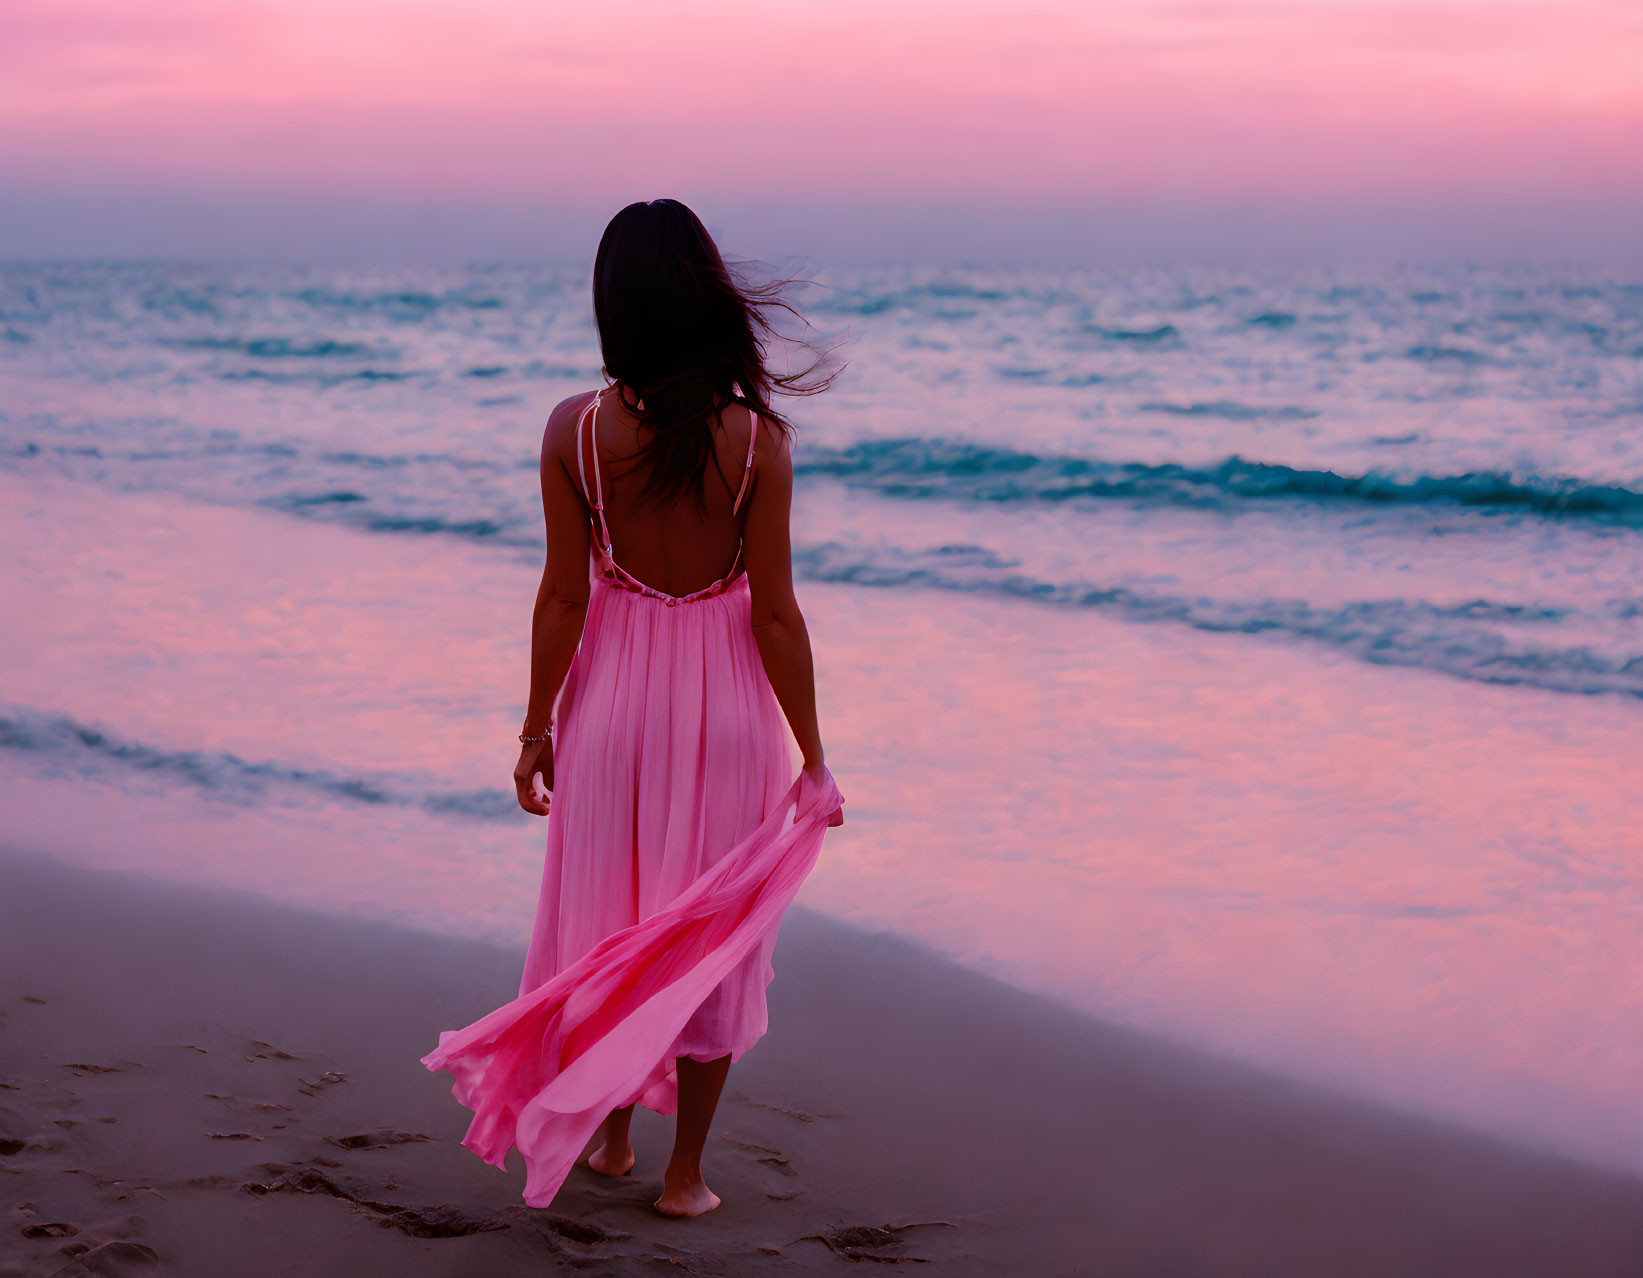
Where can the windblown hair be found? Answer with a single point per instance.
(685, 332)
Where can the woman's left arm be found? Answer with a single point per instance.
(561, 599)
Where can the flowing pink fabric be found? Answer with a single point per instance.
(676, 841)
(543, 1071)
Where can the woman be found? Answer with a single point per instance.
(660, 679)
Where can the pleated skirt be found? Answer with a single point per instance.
(677, 839)
(669, 749)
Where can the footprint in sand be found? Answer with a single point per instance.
(50, 1229)
(103, 1247)
(262, 1051)
(438, 1221)
(314, 1086)
(376, 1140)
(747, 1144)
(115, 1257)
(10, 1147)
(773, 1161)
(875, 1242)
(552, 1226)
(251, 1108)
(798, 1114)
(239, 1102)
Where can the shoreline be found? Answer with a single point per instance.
(234, 1085)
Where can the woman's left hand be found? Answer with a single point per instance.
(533, 759)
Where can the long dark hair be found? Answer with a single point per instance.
(686, 332)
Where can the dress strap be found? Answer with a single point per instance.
(596, 499)
(747, 471)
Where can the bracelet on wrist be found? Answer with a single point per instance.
(526, 739)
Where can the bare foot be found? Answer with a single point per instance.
(612, 1162)
(691, 1198)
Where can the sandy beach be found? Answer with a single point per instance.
(199, 1082)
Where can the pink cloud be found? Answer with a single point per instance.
(1043, 101)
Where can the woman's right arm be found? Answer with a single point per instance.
(778, 625)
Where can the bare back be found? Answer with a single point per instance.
(681, 548)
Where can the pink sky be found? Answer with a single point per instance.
(499, 101)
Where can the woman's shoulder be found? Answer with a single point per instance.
(769, 444)
(559, 433)
(768, 440)
(563, 416)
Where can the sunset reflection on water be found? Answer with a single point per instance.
(1411, 885)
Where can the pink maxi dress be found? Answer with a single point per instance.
(676, 840)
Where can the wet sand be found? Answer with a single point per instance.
(201, 1082)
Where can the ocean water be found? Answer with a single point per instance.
(1252, 658)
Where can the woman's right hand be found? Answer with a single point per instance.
(817, 772)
